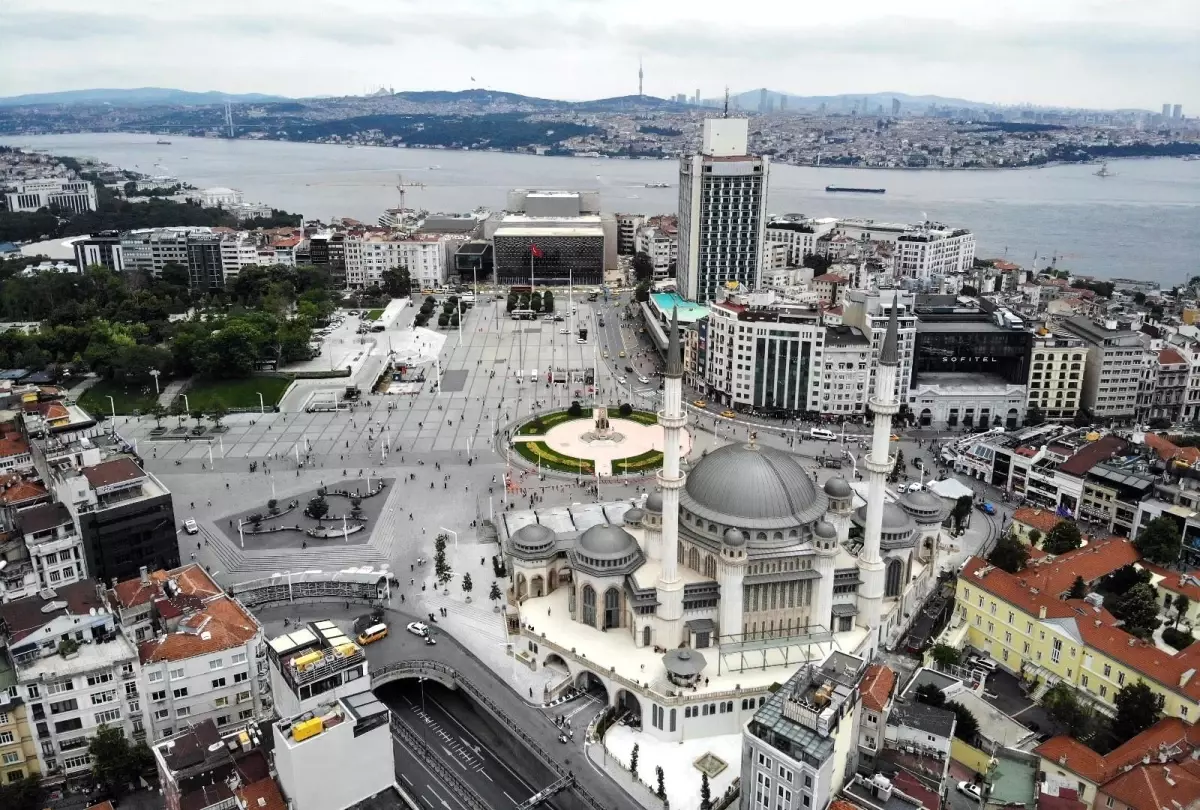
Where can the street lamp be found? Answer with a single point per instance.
(187, 406)
(154, 373)
(113, 404)
(262, 408)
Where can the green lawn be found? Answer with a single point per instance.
(539, 453)
(374, 314)
(650, 460)
(127, 398)
(241, 393)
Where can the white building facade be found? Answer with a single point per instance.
(369, 257)
(75, 196)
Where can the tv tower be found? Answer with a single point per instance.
(639, 76)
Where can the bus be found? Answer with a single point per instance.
(523, 315)
(372, 634)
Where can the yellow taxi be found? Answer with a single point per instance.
(699, 403)
(621, 353)
(605, 354)
(895, 438)
(728, 414)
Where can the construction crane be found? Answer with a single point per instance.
(401, 185)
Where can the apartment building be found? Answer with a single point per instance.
(869, 312)
(369, 256)
(238, 250)
(1027, 625)
(199, 649)
(659, 239)
(1171, 372)
(794, 748)
(760, 353)
(314, 664)
(875, 694)
(125, 516)
(18, 746)
(798, 234)
(846, 374)
(75, 670)
(74, 196)
(933, 250)
(1056, 375)
(722, 212)
(830, 288)
(44, 550)
(102, 249)
(1112, 371)
(202, 768)
(1111, 495)
(628, 226)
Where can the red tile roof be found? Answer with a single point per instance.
(1170, 357)
(113, 472)
(1041, 519)
(1184, 582)
(876, 687)
(15, 490)
(221, 625)
(13, 445)
(1092, 454)
(262, 795)
(1159, 785)
(1076, 757)
(192, 580)
(1066, 799)
(1170, 738)
(1168, 450)
(831, 278)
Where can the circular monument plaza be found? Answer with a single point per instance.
(595, 441)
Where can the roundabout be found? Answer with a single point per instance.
(593, 442)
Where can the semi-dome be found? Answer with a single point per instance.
(895, 519)
(754, 487)
(838, 488)
(633, 517)
(734, 538)
(654, 502)
(923, 504)
(824, 528)
(605, 540)
(533, 538)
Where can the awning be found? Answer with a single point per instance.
(699, 626)
(845, 609)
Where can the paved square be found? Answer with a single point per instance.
(286, 530)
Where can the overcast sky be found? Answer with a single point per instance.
(1083, 53)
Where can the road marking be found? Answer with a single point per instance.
(510, 798)
(482, 771)
(427, 801)
(435, 793)
(453, 758)
(406, 779)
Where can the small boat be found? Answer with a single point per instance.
(658, 185)
(163, 142)
(851, 190)
(1104, 172)
(434, 168)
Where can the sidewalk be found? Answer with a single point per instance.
(173, 389)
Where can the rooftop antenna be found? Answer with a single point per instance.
(640, 94)
(725, 114)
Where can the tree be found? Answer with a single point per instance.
(643, 266)
(1138, 708)
(397, 282)
(641, 293)
(495, 594)
(158, 413)
(897, 467)
(961, 511)
(1078, 590)
(1033, 416)
(1138, 608)
(317, 508)
(1181, 604)
(217, 412)
(575, 410)
(441, 568)
(945, 656)
(116, 763)
(1063, 705)
(1035, 537)
(1160, 541)
(930, 695)
(1062, 538)
(661, 790)
(467, 585)
(23, 794)
(625, 409)
(443, 320)
(548, 301)
(1010, 554)
(633, 760)
(967, 727)
(1124, 578)
(705, 792)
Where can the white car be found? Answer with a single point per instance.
(622, 380)
(643, 379)
(970, 789)
(418, 629)
(564, 331)
(190, 526)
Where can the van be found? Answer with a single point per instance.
(372, 634)
(822, 434)
(985, 663)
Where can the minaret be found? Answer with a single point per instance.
(878, 464)
(670, 480)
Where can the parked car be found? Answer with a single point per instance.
(970, 789)
(190, 526)
(418, 629)
(987, 508)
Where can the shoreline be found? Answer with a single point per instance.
(670, 158)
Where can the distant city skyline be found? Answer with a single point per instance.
(1098, 54)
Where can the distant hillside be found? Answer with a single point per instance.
(486, 97)
(847, 102)
(135, 97)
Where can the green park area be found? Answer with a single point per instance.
(650, 460)
(374, 314)
(128, 398)
(204, 395)
(540, 454)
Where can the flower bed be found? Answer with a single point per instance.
(650, 460)
(539, 453)
(641, 417)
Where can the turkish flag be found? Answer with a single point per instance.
(537, 254)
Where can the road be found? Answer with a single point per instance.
(509, 764)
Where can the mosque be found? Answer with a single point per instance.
(687, 605)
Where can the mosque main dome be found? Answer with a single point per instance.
(751, 486)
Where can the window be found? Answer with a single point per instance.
(161, 714)
(1083, 679)
(218, 683)
(6, 737)
(177, 673)
(96, 680)
(72, 743)
(3, 718)
(1103, 691)
(100, 698)
(157, 696)
(224, 701)
(1056, 650)
(64, 706)
(216, 663)
(1120, 677)
(785, 774)
(12, 758)
(1107, 671)
(242, 697)
(238, 658)
(154, 675)
(245, 715)
(241, 677)
(181, 692)
(183, 711)
(77, 762)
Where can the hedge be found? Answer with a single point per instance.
(541, 454)
(1178, 639)
(651, 459)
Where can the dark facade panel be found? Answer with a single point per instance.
(563, 258)
(121, 539)
(1001, 353)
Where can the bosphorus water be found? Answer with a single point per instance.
(1142, 223)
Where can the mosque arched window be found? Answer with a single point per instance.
(710, 567)
(694, 559)
(589, 606)
(895, 570)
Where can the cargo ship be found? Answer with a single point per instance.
(856, 190)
